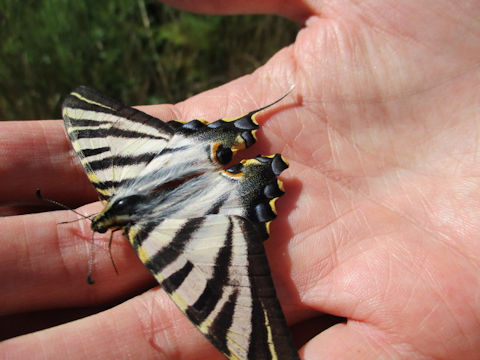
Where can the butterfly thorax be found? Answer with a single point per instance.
(117, 213)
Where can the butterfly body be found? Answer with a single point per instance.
(198, 227)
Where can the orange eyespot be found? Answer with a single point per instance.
(221, 154)
(233, 175)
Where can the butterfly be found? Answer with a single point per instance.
(197, 226)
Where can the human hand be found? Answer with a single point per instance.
(379, 223)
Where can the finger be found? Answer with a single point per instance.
(37, 154)
(20, 324)
(11, 210)
(295, 10)
(351, 341)
(44, 263)
(148, 326)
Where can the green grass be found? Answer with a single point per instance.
(142, 52)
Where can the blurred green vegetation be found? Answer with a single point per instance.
(142, 52)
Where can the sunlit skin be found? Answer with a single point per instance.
(380, 223)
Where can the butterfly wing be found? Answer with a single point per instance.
(202, 239)
(214, 266)
(114, 142)
(125, 151)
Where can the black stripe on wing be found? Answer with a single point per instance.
(174, 281)
(270, 332)
(218, 330)
(95, 151)
(111, 161)
(172, 251)
(211, 295)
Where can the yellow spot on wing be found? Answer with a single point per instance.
(132, 234)
(271, 347)
(254, 116)
(267, 226)
(105, 192)
(205, 325)
(143, 255)
(239, 144)
(249, 162)
(272, 205)
(76, 146)
(95, 180)
(93, 177)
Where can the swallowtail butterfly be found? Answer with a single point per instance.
(199, 228)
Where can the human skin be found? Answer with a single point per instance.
(380, 222)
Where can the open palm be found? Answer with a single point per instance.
(381, 218)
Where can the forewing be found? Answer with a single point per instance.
(114, 142)
(215, 269)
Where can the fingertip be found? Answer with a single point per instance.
(350, 340)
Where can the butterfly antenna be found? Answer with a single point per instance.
(90, 280)
(88, 217)
(110, 252)
(63, 206)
